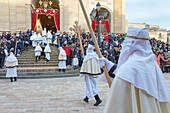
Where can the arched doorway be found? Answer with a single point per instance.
(46, 20)
(108, 18)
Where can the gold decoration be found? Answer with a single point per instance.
(45, 10)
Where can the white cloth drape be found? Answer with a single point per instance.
(47, 56)
(126, 98)
(137, 64)
(37, 53)
(62, 64)
(34, 43)
(11, 72)
(91, 86)
(91, 67)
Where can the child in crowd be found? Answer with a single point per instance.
(75, 62)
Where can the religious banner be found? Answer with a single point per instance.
(104, 22)
(52, 12)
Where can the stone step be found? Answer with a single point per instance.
(33, 57)
(36, 69)
(38, 65)
(30, 60)
(39, 62)
(56, 72)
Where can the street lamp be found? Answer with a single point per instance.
(98, 16)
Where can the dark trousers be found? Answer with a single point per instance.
(15, 79)
(63, 70)
(68, 60)
(1, 62)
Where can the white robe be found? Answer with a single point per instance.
(62, 64)
(11, 63)
(11, 72)
(44, 40)
(47, 56)
(49, 40)
(91, 86)
(37, 53)
(34, 43)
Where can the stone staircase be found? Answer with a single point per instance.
(27, 58)
(28, 67)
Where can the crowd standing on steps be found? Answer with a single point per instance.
(110, 45)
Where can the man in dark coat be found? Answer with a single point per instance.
(9, 46)
(1, 57)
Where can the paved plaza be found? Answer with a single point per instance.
(55, 95)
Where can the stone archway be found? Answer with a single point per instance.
(102, 27)
(47, 21)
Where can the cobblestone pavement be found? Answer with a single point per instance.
(59, 95)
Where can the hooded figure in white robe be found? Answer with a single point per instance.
(38, 51)
(11, 65)
(49, 37)
(62, 59)
(47, 52)
(139, 85)
(34, 38)
(90, 70)
(39, 38)
(44, 35)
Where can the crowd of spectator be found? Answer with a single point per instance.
(110, 46)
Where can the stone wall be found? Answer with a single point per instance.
(16, 14)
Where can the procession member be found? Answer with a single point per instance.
(111, 68)
(44, 35)
(38, 51)
(49, 37)
(39, 38)
(90, 70)
(6, 52)
(11, 65)
(47, 52)
(33, 39)
(139, 85)
(55, 41)
(62, 59)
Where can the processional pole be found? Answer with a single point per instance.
(77, 29)
(95, 42)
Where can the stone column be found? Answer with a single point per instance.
(28, 16)
(61, 9)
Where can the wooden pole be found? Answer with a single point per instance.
(80, 42)
(77, 30)
(95, 42)
(16, 48)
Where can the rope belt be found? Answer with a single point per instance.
(137, 37)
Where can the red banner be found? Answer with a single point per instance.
(53, 12)
(104, 22)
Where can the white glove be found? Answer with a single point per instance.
(104, 61)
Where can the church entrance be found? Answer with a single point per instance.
(47, 21)
(45, 15)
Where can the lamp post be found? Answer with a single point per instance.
(99, 17)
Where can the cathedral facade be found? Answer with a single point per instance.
(16, 15)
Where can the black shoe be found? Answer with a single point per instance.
(86, 99)
(98, 100)
(15, 78)
(11, 79)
